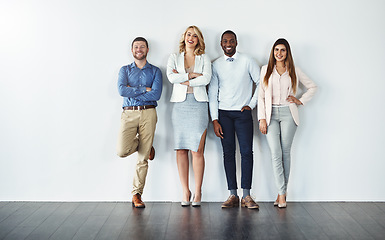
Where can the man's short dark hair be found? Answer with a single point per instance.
(229, 32)
(139, 39)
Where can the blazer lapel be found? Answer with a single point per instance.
(196, 63)
(181, 63)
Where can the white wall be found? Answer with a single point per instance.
(60, 108)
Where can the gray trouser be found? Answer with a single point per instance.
(280, 134)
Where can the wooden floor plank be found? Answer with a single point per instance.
(305, 222)
(33, 221)
(380, 205)
(372, 209)
(2, 204)
(226, 222)
(116, 221)
(188, 222)
(94, 223)
(136, 224)
(262, 225)
(17, 217)
(242, 223)
(9, 210)
(285, 222)
(158, 220)
(375, 211)
(331, 228)
(53, 222)
(76, 219)
(346, 221)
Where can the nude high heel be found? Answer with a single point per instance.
(196, 204)
(283, 205)
(186, 203)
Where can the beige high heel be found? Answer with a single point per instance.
(283, 205)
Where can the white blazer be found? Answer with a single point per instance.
(202, 65)
(265, 95)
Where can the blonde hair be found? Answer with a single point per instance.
(288, 62)
(199, 48)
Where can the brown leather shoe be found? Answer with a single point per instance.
(248, 202)
(231, 202)
(152, 154)
(137, 201)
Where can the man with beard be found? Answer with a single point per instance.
(231, 100)
(140, 85)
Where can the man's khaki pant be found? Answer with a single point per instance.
(137, 130)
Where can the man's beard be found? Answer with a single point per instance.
(140, 58)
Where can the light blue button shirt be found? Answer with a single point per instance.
(138, 79)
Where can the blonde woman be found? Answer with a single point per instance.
(278, 112)
(190, 71)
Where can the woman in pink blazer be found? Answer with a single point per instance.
(278, 111)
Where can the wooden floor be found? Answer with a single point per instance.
(105, 220)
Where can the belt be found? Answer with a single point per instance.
(139, 107)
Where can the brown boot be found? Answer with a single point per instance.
(152, 154)
(231, 202)
(248, 202)
(137, 201)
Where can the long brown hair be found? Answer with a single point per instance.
(288, 62)
(199, 48)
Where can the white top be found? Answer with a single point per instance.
(281, 85)
(231, 86)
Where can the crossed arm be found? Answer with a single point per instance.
(141, 93)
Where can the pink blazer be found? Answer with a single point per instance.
(265, 94)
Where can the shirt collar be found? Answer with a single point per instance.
(133, 65)
(234, 56)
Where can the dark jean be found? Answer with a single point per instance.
(240, 123)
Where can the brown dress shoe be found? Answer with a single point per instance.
(137, 201)
(152, 154)
(248, 202)
(231, 202)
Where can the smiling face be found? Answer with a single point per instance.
(191, 38)
(280, 53)
(139, 50)
(229, 44)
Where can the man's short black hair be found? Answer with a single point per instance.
(229, 32)
(139, 39)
